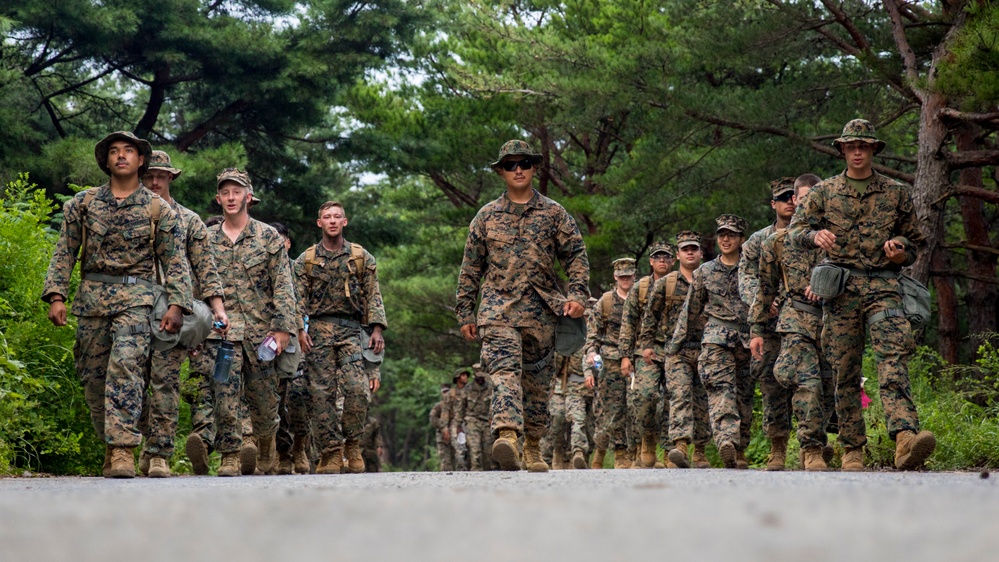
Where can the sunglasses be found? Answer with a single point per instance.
(784, 197)
(511, 165)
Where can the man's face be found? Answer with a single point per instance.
(800, 196)
(233, 198)
(661, 263)
(728, 241)
(480, 379)
(158, 181)
(858, 155)
(332, 221)
(624, 282)
(518, 179)
(124, 159)
(690, 256)
(784, 205)
(444, 390)
(463, 378)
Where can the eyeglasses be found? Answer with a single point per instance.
(660, 257)
(511, 165)
(784, 197)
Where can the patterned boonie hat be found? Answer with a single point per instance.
(860, 130)
(782, 186)
(624, 266)
(101, 150)
(686, 238)
(734, 223)
(661, 248)
(238, 176)
(516, 148)
(161, 161)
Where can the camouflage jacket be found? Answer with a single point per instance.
(475, 401)
(714, 295)
(510, 256)
(204, 275)
(118, 244)
(861, 223)
(325, 290)
(259, 296)
(603, 332)
(661, 313)
(436, 421)
(631, 317)
(796, 264)
(749, 271)
(449, 409)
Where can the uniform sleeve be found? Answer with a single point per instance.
(285, 306)
(807, 219)
(690, 313)
(572, 255)
(595, 327)
(650, 318)
(749, 268)
(202, 261)
(462, 408)
(176, 272)
(376, 308)
(473, 268)
(908, 226)
(766, 290)
(435, 416)
(64, 255)
(629, 312)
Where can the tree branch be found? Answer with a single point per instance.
(187, 139)
(908, 56)
(979, 118)
(971, 158)
(973, 247)
(969, 191)
(956, 273)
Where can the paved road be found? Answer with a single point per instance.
(633, 515)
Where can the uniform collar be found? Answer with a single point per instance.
(535, 202)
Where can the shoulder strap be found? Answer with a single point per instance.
(155, 209)
(87, 198)
(643, 291)
(357, 257)
(779, 251)
(310, 258)
(606, 305)
(672, 279)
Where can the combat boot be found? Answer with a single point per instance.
(621, 461)
(728, 454)
(911, 449)
(122, 463)
(558, 460)
(197, 453)
(579, 460)
(230, 465)
(267, 454)
(678, 454)
(300, 454)
(355, 463)
(741, 462)
(598, 459)
(813, 460)
(331, 460)
(648, 451)
(701, 457)
(158, 468)
(630, 456)
(532, 455)
(778, 454)
(853, 459)
(248, 456)
(505, 451)
(106, 469)
(144, 462)
(285, 466)
(828, 452)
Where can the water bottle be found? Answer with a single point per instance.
(598, 362)
(223, 361)
(267, 350)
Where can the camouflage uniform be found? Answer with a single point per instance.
(115, 298)
(337, 299)
(575, 409)
(862, 223)
(445, 454)
(293, 390)
(801, 365)
(370, 444)
(476, 400)
(454, 425)
(510, 256)
(612, 386)
(724, 359)
(197, 391)
(259, 299)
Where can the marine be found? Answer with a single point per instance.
(476, 401)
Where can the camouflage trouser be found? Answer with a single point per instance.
(802, 368)
(248, 378)
(112, 370)
(460, 450)
(844, 322)
(520, 362)
(643, 396)
(612, 388)
(198, 393)
(688, 402)
(727, 379)
(576, 416)
(591, 421)
(445, 454)
(480, 444)
(776, 397)
(334, 367)
(662, 418)
(161, 401)
(556, 429)
(293, 410)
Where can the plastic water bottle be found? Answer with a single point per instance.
(598, 362)
(223, 361)
(267, 350)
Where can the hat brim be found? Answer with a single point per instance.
(536, 158)
(730, 229)
(683, 245)
(783, 191)
(879, 145)
(101, 151)
(174, 171)
(624, 273)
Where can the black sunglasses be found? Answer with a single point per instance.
(511, 165)
(784, 197)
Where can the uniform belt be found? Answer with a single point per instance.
(336, 320)
(352, 358)
(120, 279)
(727, 323)
(131, 330)
(535, 367)
(873, 272)
(691, 345)
(805, 307)
(887, 313)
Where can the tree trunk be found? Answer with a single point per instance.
(947, 327)
(931, 179)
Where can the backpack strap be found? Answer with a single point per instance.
(87, 198)
(606, 305)
(643, 291)
(155, 209)
(310, 259)
(779, 251)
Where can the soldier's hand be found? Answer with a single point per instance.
(573, 309)
(282, 339)
(895, 251)
(446, 434)
(774, 310)
(374, 385)
(377, 342)
(647, 355)
(810, 295)
(172, 320)
(825, 239)
(304, 341)
(57, 313)
(470, 332)
(222, 318)
(626, 367)
(589, 382)
(756, 347)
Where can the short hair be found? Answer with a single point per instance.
(329, 204)
(214, 220)
(281, 228)
(805, 180)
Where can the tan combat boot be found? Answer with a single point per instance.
(158, 468)
(267, 454)
(122, 463)
(248, 456)
(631, 457)
(355, 463)
(778, 454)
(678, 454)
(300, 455)
(701, 457)
(505, 451)
(828, 452)
(579, 460)
(285, 466)
(106, 469)
(598, 459)
(648, 451)
(741, 462)
(558, 460)
(144, 462)
(853, 459)
(331, 460)
(532, 455)
(197, 453)
(911, 449)
(813, 461)
(230, 465)
(621, 461)
(728, 454)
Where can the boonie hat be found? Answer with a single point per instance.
(781, 186)
(160, 160)
(686, 238)
(661, 248)
(101, 150)
(517, 148)
(624, 266)
(734, 223)
(238, 176)
(860, 130)
(570, 334)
